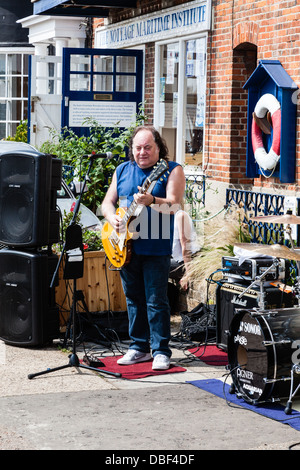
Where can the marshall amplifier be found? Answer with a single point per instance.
(228, 302)
(251, 268)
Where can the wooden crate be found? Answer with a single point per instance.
(101, 287)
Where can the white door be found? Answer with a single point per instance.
(44, 98)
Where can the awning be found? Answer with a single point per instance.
(94, 8)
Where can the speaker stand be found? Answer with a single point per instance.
(73, 358)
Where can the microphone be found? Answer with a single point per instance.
(106, 155)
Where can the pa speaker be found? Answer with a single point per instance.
(28, 314)
(228, 302)
(29, 181)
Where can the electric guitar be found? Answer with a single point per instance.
(117, 245)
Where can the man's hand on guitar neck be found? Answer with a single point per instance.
(144, 199)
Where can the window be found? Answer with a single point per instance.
(13, 90)
(102, 72)
(180, 97)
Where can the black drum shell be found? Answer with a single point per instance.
(262, 349)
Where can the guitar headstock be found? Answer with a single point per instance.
(160, 168)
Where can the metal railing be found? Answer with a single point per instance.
(259, 204)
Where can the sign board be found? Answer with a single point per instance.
(188, 18)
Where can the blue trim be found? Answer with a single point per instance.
(270, 77)
(85, 8)
(42, 6)
(275, 71)
(136, 96)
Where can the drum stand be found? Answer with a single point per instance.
(261, 302)
(296, 367)
(295, 370)
(293, 248)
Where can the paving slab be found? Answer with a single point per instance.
(75, 409)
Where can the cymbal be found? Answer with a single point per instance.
(278, 219)
(277, 251)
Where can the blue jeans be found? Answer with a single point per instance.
(145, 284)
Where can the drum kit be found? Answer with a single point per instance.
(264, 345)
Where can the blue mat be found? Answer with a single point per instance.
(269, 410)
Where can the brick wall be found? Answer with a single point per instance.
(244, 32)
(143, 7)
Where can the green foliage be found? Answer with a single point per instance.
(21, 133)
(91, 239)
(71, 150)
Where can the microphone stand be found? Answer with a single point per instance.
(73, 358)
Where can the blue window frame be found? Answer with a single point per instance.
(102, 84)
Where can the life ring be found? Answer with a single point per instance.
(266, 104)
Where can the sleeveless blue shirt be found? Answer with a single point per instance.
(153, 230)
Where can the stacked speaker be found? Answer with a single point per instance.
(29, 225)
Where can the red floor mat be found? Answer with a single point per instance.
(210, 354)
(136, 371)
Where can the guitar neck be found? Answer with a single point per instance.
(132, 208)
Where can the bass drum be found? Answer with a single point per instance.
(262, 349)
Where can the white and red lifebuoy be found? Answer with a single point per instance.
(267, 103)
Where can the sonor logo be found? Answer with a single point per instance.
(251, 328)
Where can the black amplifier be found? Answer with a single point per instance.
(251, 268)
(230, 298)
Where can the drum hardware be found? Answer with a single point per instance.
(295, 370)
(273, 343)
(259, 280)
(293, 248)
(277, 251)
(268, 313)
(288, 219)
(274, 381)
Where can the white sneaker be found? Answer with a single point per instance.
(132, 357)
(161, 362)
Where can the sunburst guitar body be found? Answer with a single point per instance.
(117, 245)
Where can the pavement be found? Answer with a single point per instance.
(77, 409)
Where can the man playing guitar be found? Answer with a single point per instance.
(145, 276)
